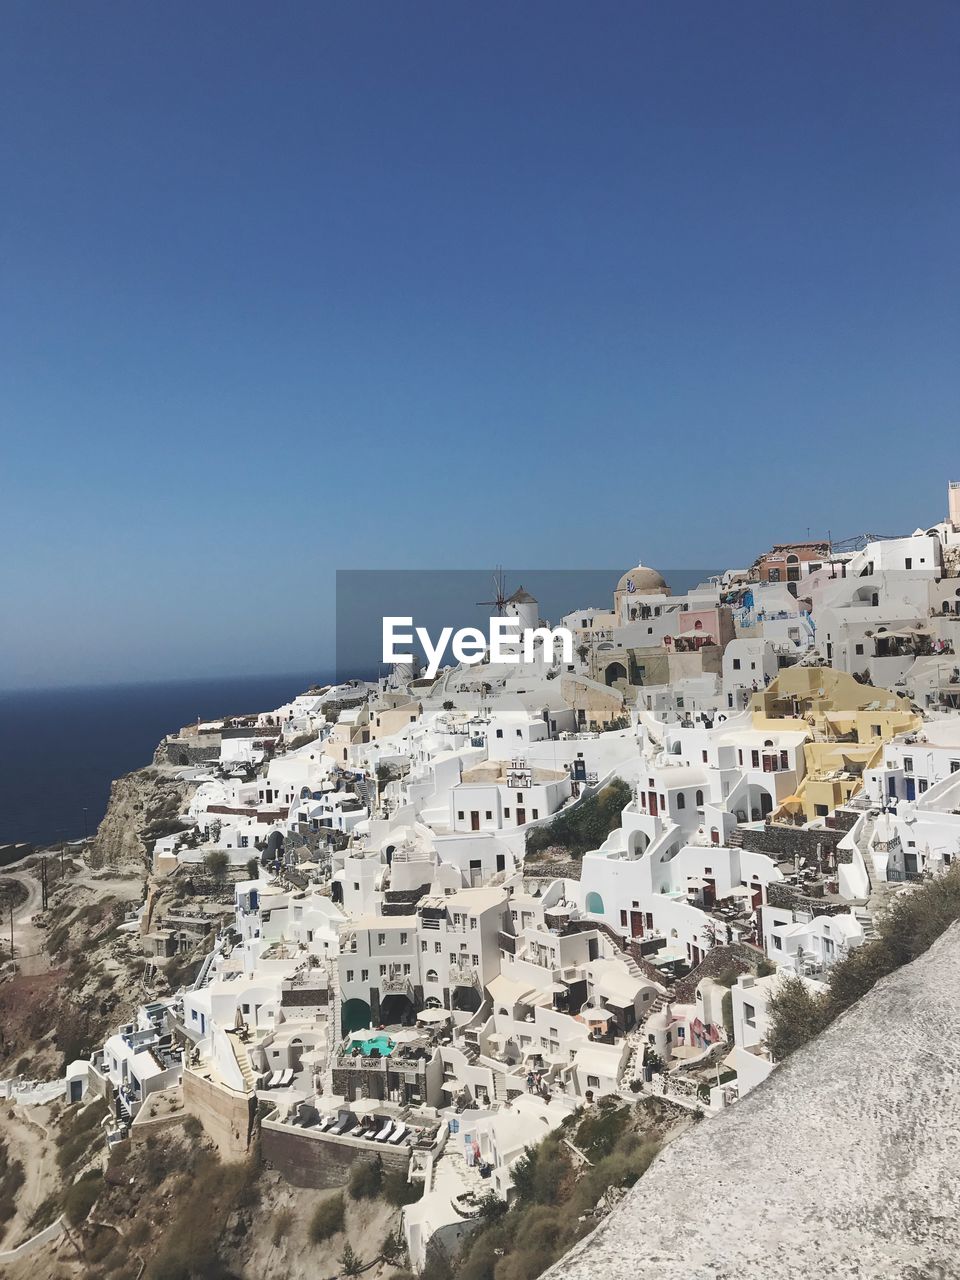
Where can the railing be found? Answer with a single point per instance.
(463, 975)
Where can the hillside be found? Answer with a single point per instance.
(843, 1164)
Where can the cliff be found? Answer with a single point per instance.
(842, 1164)
(144, 805)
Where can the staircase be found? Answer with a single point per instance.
(243, 1062)
(333, 1022)
(499, 1087)
(735, 838)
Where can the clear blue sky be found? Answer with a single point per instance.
(293, 287)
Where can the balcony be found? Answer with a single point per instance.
(396, 985)
(463, 975)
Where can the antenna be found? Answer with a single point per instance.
(500, 599)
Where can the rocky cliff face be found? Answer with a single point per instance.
(144, 805)
(842, 1164)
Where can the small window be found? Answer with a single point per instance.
(681, 800)
(499, 733)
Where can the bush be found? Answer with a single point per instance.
(366, 1178)
(585, 825)
(282, 1222)
(327, 1219)
(217, 861)
(398, 1191)
(192, 1127)
(796, 1016)
(80, 1198)
(351, 1263)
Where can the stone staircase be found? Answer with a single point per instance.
(735, 838)
(243, 1062)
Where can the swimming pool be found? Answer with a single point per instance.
(385, 1045)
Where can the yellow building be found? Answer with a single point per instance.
(848, 723)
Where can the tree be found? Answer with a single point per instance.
(253, 868)
(796, 1015)
(217, 861)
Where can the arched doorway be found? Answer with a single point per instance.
(594, 904)
(614, 672)
(354, 1016)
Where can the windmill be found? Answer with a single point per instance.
(500, 599)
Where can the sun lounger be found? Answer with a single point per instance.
(286, 1077)
(376, 1124)
(381, 1134)
(399, 1133)
(274, 1080)
(326, 1122)
(341, 1122)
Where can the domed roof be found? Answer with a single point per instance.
(643, 581)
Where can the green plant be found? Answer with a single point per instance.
(217, 862)
(79, 1199)
(366, 1178)
(350, 1262)
(327, 1220)
(796, 1015)
(398, 1191)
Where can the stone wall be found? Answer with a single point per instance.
(784, 843)
(228, 1117)
(184, 752)
(320, 1161)
(738, 957)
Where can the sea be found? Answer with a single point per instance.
(61, 748)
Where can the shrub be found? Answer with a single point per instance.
(585, 825)
(217, 862)
(350, 1262)
(327, 1219)
(796, 1016)
(192, 1127)
(80, 1198)
(398, 1191)
(282, 1222)
(366, 1178)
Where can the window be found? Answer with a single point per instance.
(519, 797)
(955, 766)
(908, 562)
(736, 664)
(681, 800)
(349, 975)
(437, 948)
(777, 943)
(699, 799)
(506, 813)
(499, 733)
(423, 946)
(460, 815)
(908, 764)
(536, 814)
(488, 814)
(403, 939)
(821, 810)
(381, 939)
(703, 755)
(749, 1015)
(519, 733)
(383, 971)
(364, 975)
(593, 1082)
(623, 919)
(858, 649)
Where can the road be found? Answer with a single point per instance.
(27, 938)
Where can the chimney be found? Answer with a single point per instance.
(953, 503)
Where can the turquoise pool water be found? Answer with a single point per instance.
(383, 1043)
